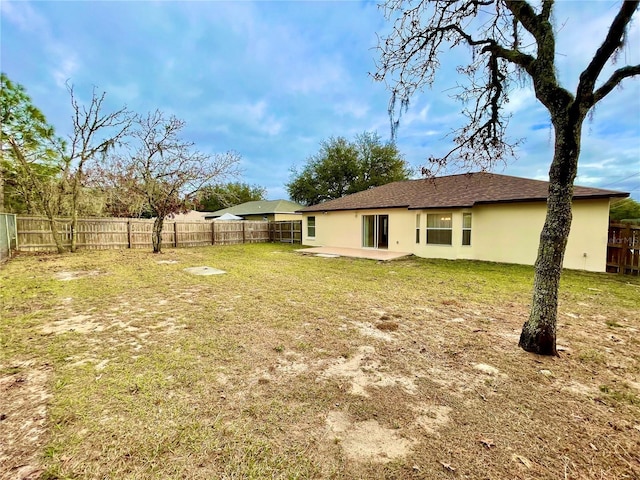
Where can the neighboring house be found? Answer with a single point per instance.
(479, 216)
(190, 216)
(228, 217)
(272, 210)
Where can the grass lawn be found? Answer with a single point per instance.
(121, 365)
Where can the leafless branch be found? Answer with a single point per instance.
(614, 81)
(613, 41)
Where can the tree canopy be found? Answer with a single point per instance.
(343, 167)
(30, 165)
(627, 209)
(509, 41)
(216, 197)
(44, 174)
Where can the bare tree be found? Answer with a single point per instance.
(509, 40)
(166, 170)
(94, 134)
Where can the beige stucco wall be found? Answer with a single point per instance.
(511, 233)
(589, 234)
(287, 216)
(500, 233)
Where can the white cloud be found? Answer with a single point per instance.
(256, 115)
(307, 77)
(64, 71)
(588, 180)
(352, 108)
(127, 93)
(22, 15)
(413, 116)
(604, 164)
(520, 99)
(271, 126)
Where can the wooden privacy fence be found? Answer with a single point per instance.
(287, 231)
(34, 233)
(623, 249)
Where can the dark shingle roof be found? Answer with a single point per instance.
(454, 191)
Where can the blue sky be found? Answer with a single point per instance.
(271, 80)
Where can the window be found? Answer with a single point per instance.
(375, 231)
(438, 229)
(418, 228)
(311, 226)
(466, 229)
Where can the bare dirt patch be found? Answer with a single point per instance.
(75, 323)
(432, 417)
(76, 275)
(23, 419)
(363, 370)
(367, 440)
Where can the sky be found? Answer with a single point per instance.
(272, 79)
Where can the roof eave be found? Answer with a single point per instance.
(594, 196)
(352, 209)
(440, 207)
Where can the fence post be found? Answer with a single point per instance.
(626, 249)
(128, 233)
(213, 233)
(175, 234)
(244, 240)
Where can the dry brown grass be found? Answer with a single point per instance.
(301, 367)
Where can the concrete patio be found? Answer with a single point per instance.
(368, 253)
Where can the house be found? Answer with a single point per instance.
(228, 217)
(476, 216)
(271, 210)
(190, 216)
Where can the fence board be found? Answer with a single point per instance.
(228, 232)
(623, 249)
(286, 231)
(193, 234)
(256, 232)
(34, 233)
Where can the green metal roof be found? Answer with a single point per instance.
(260, 207)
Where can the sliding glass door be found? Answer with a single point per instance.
(375, 231)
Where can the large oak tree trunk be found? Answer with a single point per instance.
(156, 235)
(539, 331)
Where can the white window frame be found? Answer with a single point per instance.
(311, 224)
(466, 229)
(448, 216)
